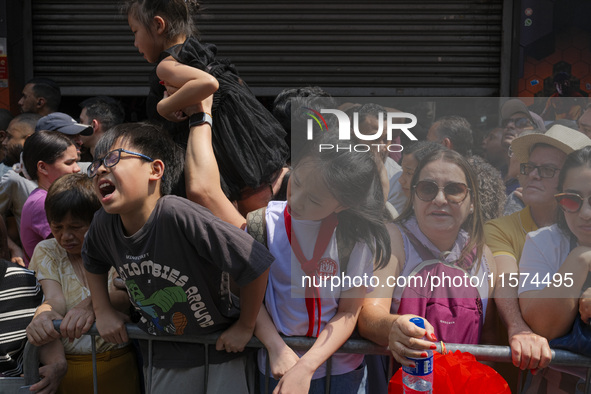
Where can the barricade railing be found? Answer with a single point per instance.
(487, 353)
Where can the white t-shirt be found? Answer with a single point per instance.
(543, 253)
(285, 296)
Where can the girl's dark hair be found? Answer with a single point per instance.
(178, 15)
(150, 140)
(353, 180)
(578, 158)
(71, 194)
(474, 224)
(45, 146)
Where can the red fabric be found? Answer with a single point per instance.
(309, 267)
(456, 373)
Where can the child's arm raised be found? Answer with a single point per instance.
(109, 322)
(194, 86)
(281, 356)
(202, 175)
(331, 338)
(251, 298)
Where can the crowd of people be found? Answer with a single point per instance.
(218, 215)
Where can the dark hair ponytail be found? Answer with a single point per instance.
(178, 14)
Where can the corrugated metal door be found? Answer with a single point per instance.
(415, 48)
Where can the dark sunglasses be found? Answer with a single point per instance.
(455, 192)
(111, 159)
(571, 202)
(519, 123)
(543, 171)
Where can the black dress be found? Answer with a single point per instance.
(248, 143)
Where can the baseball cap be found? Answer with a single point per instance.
(561, 137)
(64, 123)
(514, 106)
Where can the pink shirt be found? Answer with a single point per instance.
(34, 225)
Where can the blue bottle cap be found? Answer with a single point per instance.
(419, 322)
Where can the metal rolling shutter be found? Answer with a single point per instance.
(415, 48)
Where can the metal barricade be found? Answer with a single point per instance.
(360, 346)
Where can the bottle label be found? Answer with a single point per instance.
(423, 366)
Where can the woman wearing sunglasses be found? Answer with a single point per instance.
(444, 215)
(556, 260)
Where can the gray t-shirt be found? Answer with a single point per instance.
(172, 268)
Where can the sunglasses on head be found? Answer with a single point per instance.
(571, 202)
(455, 192)
(519, 123)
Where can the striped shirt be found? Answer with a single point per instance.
(20, 294)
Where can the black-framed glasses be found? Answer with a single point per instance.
(111, 159)
(455, 192)
(543, 171)
(571, 202)
(519, 123)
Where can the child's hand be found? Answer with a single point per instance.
(111, 326)
(296, 380)
(235, 338)
(176, 116)
(41, 331)
(281, 361)
(78, 320)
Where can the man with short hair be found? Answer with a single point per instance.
(101, 113)
(453, 132)
(541, 157)
(65, 124)
(40, 96)
(14, 187)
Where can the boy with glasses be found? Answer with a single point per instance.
(173, 255)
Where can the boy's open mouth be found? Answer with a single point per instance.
(106, 188)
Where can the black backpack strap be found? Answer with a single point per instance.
(256, 225)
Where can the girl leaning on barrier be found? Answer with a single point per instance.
(555, 265)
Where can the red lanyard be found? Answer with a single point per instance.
(309, 267)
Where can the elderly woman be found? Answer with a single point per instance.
(443, 222)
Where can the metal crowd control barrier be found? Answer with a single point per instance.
(360, 346)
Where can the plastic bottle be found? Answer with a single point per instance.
(419, 380)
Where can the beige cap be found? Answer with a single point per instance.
(561, 137)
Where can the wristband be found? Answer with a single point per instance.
(200, 118)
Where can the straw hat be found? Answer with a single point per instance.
(560, 137)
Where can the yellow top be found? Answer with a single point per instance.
(506, 235)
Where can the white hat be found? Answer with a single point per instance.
(560, 137)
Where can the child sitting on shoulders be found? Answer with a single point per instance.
(172, 254)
